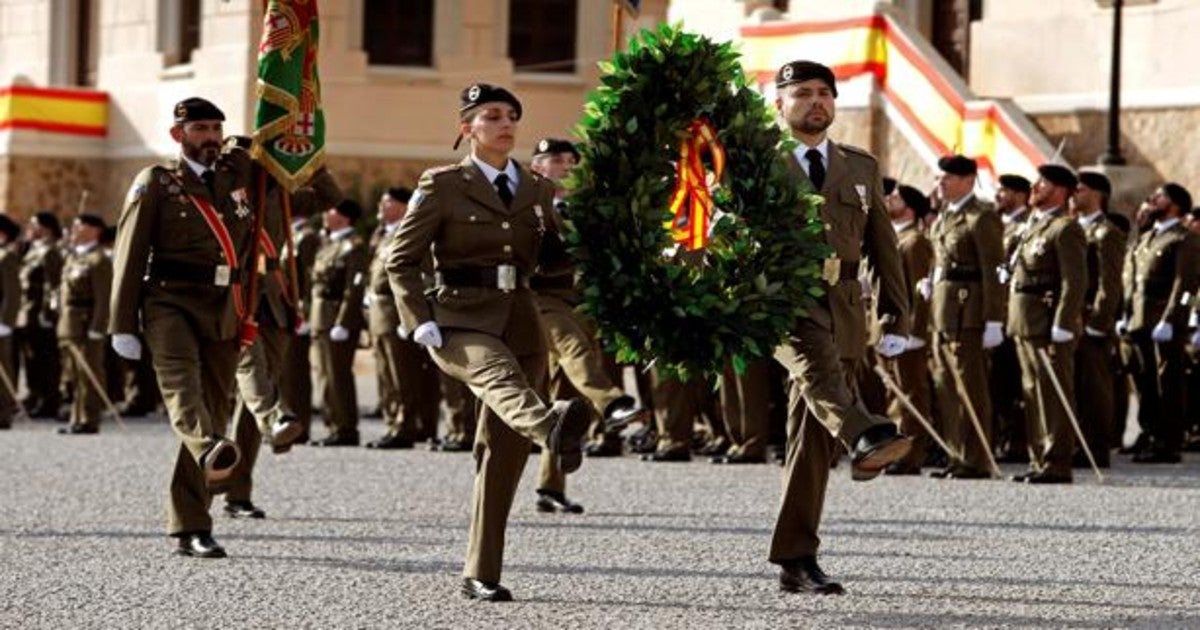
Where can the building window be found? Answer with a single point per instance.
(86, 46)
(179, 32)
(398, 33)
(189, 29)
(780, 5)
(541, 35)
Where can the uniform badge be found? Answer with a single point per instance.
(537, 209)
(861, 189)
(135, 193)
(173, 189)
(473, 93)
(787, 72)
(164, 179)
(831, 270)
(1038, 246)
(243, 203)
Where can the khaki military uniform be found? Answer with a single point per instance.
(1047, 289)
(822, 350)
(10, 304)
(260, 402)
(492, 338)
(1162, 279)
(172, 282)
(745, 407)
(339, 279)
(1095, 360)
(969, 246)
(409, 380)
(911, 369)
(84, 299)
(297, 381)
(41, 273)
(1008, 404)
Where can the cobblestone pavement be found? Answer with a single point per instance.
(357, 538)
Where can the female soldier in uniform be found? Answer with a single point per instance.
(484, 219)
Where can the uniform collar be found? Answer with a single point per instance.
(83, 249)
(388, 228)
(297, 224)
(341, 234)
(197, 168)
(803, 149)
(901, 226)
(955, 206)
(1163, 226)
(1039, 214)
(1091, 219)
(1014, 216)
(490, 172)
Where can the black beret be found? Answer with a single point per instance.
(889, 184)
(399, 193)
(551, 146)
(477, 94)
(109, 235)
(196, 108)
(1058, 175)
(9, 228)
(1016, 183)
(48, 220)
(1096, 181)
(958, 165)
(350, 209)
(1178, 195)
(916, 200)
(93, 220)
(801, 71)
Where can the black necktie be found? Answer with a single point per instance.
(816, 170)
(209, 178)
(503, 190)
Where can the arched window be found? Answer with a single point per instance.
(398, 33)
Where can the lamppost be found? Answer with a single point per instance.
(1112, 155)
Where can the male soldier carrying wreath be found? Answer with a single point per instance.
(825, 345)
(177, 279)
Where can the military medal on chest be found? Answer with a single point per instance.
(243, 203)
(1037, 246)
(861, 189)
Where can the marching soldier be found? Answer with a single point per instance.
(84, 298)
(10, 305)
(1008, 407)
(260, 412)
(41, 272)
(338, 281)
(575, 362)
(822, 350)
(484, 218)
(1094, 360)
(408, 378)
(967, 308)
(1161, 284)
(297, 384)
(1045, 315)
(907, 207)
(177, 278)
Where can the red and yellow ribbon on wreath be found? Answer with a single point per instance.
(691, 201)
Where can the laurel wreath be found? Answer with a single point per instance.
(734, 300)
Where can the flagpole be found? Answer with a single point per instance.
(618, 13)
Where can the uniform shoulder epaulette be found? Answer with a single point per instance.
(849, 148)
(441, 170)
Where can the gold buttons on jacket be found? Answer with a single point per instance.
(473, 218)
(505, 225)
(508, 249)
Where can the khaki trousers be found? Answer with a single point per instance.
(461, 419)
(964, 356)
(296, 382)
(1051, 438)
(745, 402)
(676, 408)
(511, 418)
(43, 365)
(259, 403)
(410, 380)
(196, 377)
(911, 373)
(339, 396)
(87, 408)
(823, 410)
(1094, 366)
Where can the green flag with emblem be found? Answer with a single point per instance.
(289, 125)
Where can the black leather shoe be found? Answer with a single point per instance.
(451, 446)
(337, 439)
(603, 448)
(962, 472)
(566, 436)
(738, 457)
(901, 469)
(390, 442)
(877, 447)
(485, 591)
(644, 440)
(199, 545)
(78, 430)
(673, 455)
(621, 413)
(285, 433)
(805, 576)
(1046, 477)
(714, 448)
(243, 509)
(218, 461)
(550, 501)
(1157, 456)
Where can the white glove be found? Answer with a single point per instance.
(1060, 335)
(993, 334)
(127, 346)
(1122, 326)
(401, 331)
(1003, 274)
(925, 288)
(95, 335)
(891, 345)
(368, 300)
(5, 331)
(1196, 339)
(339, 333)
(913, 343)
(428, 334)
(304, 329)
(1092, 332)
(1163, 332)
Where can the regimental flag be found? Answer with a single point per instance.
(289, 125)
(633, 6)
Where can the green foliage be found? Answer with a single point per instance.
(734, 301)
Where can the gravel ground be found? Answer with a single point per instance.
(357, 538)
